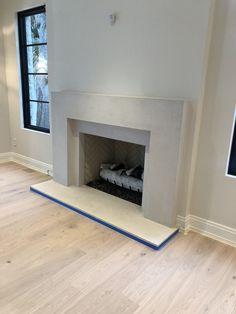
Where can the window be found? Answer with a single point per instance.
(232, 157)
(34, 68)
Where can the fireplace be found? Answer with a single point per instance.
(152, 123)
(93, 132)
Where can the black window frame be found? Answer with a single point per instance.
(232, 157)
(24, 67)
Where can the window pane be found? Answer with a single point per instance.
(37, 59)
(39, 114)
(38, 87)
(36, 28)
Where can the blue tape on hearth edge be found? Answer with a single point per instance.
(127, 234)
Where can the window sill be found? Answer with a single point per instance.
(35, 131)
(230, 176)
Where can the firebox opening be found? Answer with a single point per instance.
(114, 167)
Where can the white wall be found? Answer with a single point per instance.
(214, 194)
(31, 144)
(156, 48)
(4, 115)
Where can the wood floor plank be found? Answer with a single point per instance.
(53, 260)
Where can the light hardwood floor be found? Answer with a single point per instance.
(52, 260)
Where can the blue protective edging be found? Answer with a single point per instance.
(127, 234)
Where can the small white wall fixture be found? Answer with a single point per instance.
(154, 123)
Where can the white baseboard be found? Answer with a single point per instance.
(208, 228)
(27, 162)
(4, 157)
(183, 223)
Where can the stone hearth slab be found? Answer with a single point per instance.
(111, 211)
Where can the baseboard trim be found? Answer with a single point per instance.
(5, 157)
(27, 162)
(183, 223)
(207, 228)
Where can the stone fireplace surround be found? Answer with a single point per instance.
(154, 123)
